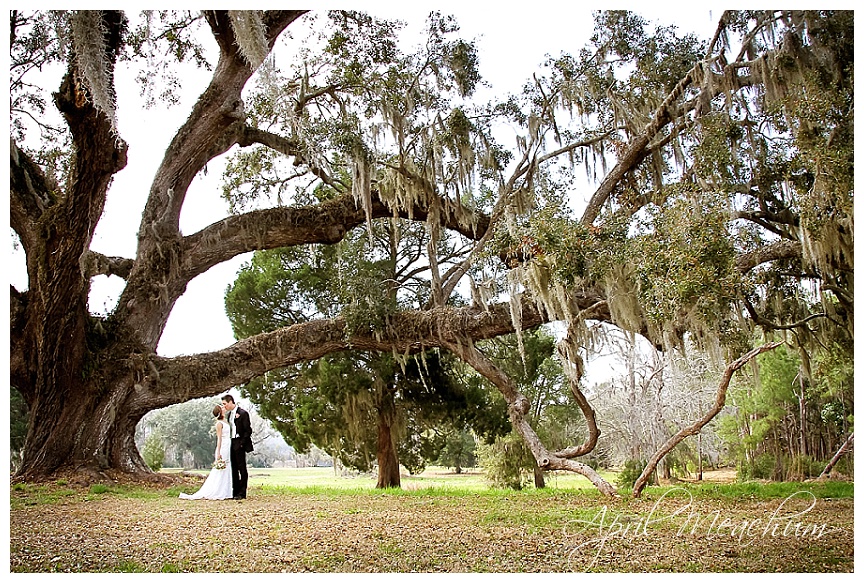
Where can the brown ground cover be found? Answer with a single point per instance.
(563, 531)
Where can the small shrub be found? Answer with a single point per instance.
(154, 452)
(763, 467)
(630, 473)
(504, 461)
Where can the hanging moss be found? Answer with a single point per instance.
(250, 35)
(91, 59)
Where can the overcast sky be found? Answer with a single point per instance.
(512, 43)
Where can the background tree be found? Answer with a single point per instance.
(185, 429)
(459, 451)
(653, 396)
(358, 406)
(783, 428)
(153, 452)
(17, 426)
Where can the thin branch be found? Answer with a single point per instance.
(769, 325)
(288, 147)
(719, 403)
(843, 449)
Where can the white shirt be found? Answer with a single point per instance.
(231, 423)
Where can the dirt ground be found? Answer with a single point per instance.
(375, 532)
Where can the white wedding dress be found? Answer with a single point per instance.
(217, 486)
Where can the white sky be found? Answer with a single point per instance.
(512, 43)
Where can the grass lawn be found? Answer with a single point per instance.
(433, 477)
(308, 520)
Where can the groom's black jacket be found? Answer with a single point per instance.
(244, 428)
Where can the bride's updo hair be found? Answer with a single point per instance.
(217, 412)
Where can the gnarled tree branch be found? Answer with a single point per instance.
(30, 194)
(207, 374)
(518, 407)
(779, 250)
(719, 402)
(94, 264)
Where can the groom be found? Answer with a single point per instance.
(241, 444)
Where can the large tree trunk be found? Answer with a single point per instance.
(52, 359)
(79, 374)
(92, 431)
(388, 461)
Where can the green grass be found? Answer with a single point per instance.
(127, 566)
(758, 490)
(35, 495)
(435, 480)
(433, 483)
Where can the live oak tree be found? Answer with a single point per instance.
(718, 200)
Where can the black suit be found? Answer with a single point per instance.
(240, 445)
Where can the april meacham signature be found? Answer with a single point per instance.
(606, 526)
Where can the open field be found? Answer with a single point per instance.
(309, 520)
(433, 477)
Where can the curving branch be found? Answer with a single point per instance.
(759, 320)
(327, 222)
(719, 403)
(518, 407)
(783, 249)
(590, 420)
(212, 127)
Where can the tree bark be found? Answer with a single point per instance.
(539, 478)
(719, 402)
(517, 409)
(388, 460)
(837, 456)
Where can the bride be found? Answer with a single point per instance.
(217, 486)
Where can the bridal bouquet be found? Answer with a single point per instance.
(219, 464)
